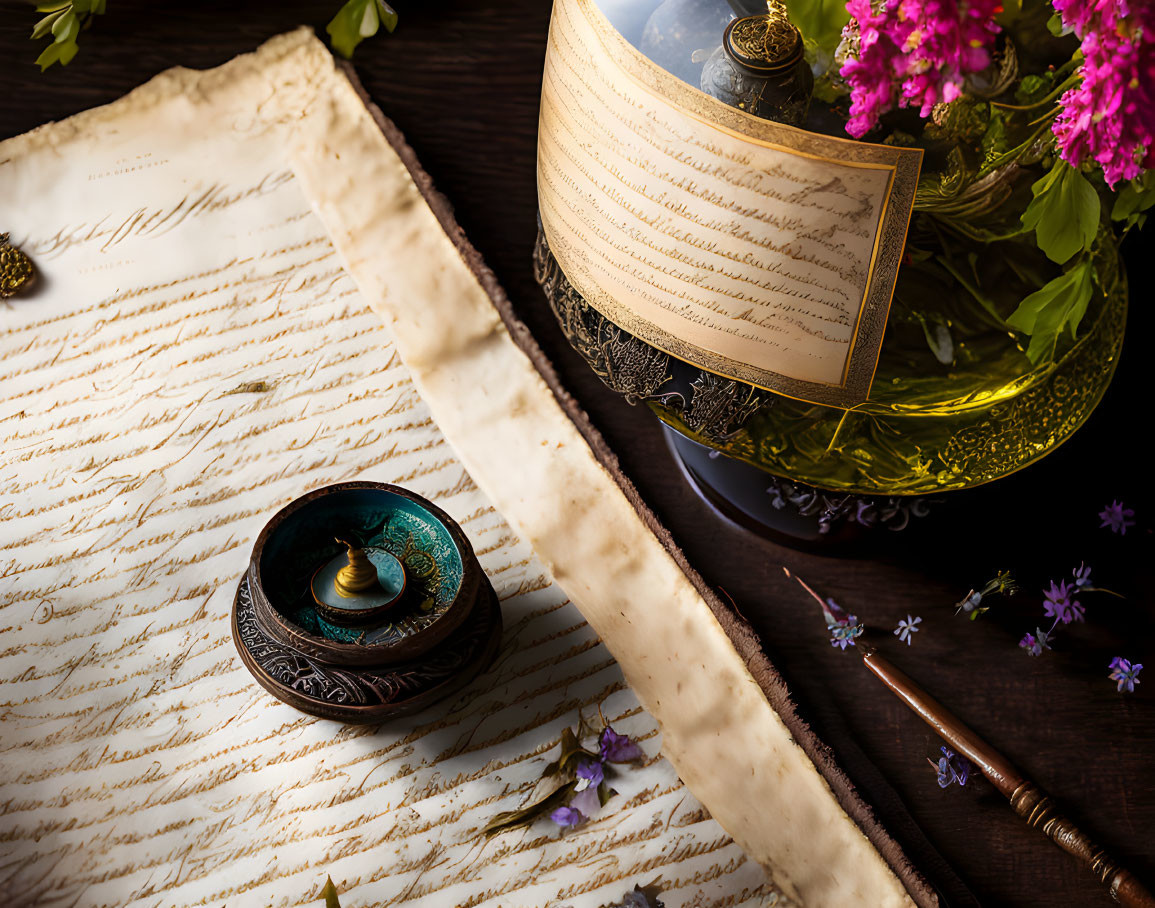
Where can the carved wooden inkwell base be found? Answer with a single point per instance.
(363, 602)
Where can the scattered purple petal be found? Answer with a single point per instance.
(1125, 673)
(834, 613)
(615, 748)
(567, 816)
(586, 802)
(843, 632)
(1117, 517)
(951, 768)
(591, 771)
(1035, 643)
(906, 628)
(1082, 575)
(1059, 604)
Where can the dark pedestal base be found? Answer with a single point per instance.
(790, 513)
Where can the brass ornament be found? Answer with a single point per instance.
(357, 576)
(16, 270)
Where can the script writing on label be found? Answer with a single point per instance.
(748, 248)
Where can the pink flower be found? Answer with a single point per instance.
(1110, 116)
(915, 53)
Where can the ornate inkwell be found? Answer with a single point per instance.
(363, 602)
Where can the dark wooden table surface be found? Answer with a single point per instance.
(462, 79)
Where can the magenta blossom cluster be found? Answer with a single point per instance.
(1109, 116)
(915, 53)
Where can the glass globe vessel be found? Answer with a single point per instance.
(960, 395)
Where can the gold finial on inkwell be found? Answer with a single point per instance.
(357, 586)
(357, 576)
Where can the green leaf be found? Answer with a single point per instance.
(82, 7)
(330, 894)
(1055, 26)
(1064, 212)
(44, 26)
(61, 53)
(388, 15)
(820, 21)
(1033, 87)
(53, 7)
(1058, 304)
(1134, 198)
(358, 20)
(66, 28)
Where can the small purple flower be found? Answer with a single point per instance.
(951, 768)
(1117, 517)
(843, 627)
(1082, 575)
(1126, 673)
(567, 816)
(1035, 643)
(587, 802)
(615, 748)
(1059, 605)
(843, 632)
(906, 628)
(591, 772)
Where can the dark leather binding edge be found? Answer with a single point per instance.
(743, 637)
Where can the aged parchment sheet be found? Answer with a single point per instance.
(752, 249)
(202, 349)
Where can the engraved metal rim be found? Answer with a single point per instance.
(484, 629)
(286, 632)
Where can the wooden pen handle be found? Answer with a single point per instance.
(1036, 807)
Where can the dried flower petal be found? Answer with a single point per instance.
(1125, 673)
(586, 802)
(590, 773)
(1035, 643)
(906, 628)
(951, 768)
(567, 816)
(615, 748)
(1059, 604)
(1117, 517)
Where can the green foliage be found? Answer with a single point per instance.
(820, 21)
(1058, 304)
(358, 20)
(1133, 200)
(1034, 87)
(1064, 212)
(63, 22)
(355, 21)
(330, 894)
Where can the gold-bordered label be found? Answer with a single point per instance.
(748, 248)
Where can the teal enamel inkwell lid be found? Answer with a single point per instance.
(364, 601)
